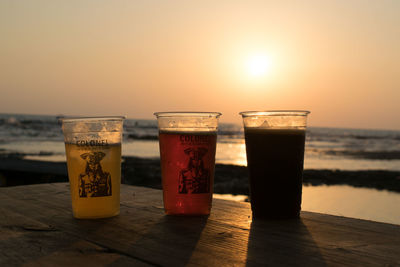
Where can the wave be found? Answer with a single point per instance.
(374, 143)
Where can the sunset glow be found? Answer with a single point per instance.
(258, 65)
(134, 58)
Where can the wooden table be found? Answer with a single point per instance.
(37, 229)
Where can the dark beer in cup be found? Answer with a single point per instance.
(275, 157)
(275, 164)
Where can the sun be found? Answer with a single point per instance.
(258, 65)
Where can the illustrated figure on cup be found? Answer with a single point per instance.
(195, 178)
(94, 182)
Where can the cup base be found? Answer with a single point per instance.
(193, 213)
(187, 215)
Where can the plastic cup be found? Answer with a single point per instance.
(93, 150)
(187, 151)
(275, 155)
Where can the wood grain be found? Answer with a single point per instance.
(37, 229)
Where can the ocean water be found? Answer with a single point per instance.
(40, 137)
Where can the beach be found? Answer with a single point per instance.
(229, 179)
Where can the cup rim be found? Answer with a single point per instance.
(275, 113)
(166, 114)
(91, 118)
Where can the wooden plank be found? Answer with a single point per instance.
(144, 235)
(30, 242)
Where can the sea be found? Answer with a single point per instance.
(39, 137)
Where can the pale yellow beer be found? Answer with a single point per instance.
(93, 150)
(95, 177)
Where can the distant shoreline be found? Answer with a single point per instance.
(236, 121)
(229, 179)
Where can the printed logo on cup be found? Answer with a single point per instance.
(194, 139)
(81, 143)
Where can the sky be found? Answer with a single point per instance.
(338, 59)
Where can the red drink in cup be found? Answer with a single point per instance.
(187, 152)
(188, 178)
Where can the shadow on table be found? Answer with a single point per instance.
(282, 242)
(173, 239)
(165, 241)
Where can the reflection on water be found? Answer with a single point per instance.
(343, 200)
(347, 201)
(231, 154)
